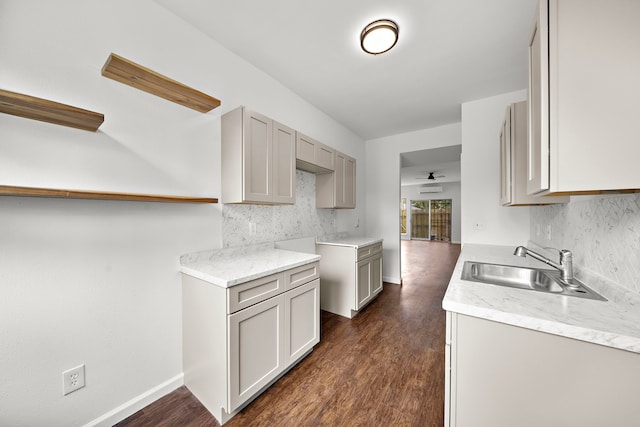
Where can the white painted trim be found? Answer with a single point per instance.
(134, 405)
(394, 280)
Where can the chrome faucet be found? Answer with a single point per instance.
(565, 265)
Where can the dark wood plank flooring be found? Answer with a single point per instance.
(384, 367)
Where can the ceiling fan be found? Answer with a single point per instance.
(431, 176)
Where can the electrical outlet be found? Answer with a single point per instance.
(479, 226)
(73, 379)
(549, 232)
(253, 228)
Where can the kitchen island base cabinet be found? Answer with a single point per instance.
(229, 357)
(501, 375)
(351, 277)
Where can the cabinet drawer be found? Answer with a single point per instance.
(300, 275)
(369, 250)
(246, 294)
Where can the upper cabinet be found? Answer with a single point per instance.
(513, 161)
(583, 96)
(258, 159)
(313, 156)
(338, 189)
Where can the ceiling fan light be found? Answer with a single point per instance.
(379, 36)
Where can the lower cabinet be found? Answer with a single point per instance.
(369, 279)
(230, 357)
(498, 375)
(351, 278)
(256, 348)
(301, 321)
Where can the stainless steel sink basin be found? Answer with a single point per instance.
(526, 278)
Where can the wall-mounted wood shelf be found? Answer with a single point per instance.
(139, 77)
(44, 110)
(9, 190)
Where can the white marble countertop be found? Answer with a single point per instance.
(613, 323)
(230, 267)
(356, 242)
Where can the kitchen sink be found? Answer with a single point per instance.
(526, 278)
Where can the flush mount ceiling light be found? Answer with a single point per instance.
(379, 36)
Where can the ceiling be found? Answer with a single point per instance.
(444, 162)
(449, 52)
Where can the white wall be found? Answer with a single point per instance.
(97, 282)
(383, 186)
(480, 167)
(450, 190)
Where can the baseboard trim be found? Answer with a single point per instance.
(394, 280)
(134, 405)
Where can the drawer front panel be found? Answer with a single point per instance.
(255, 291)
(369, 250)
(302, 274)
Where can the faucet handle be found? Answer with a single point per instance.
(563, 253)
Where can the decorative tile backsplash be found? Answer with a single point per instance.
(603, 233)
(274, 223)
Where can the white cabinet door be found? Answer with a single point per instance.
(505, 159)
(538, 103)
(583, 97)
(338, 189)
(325, 156)
(306, 148)
(349, 183)
(284, 164)
(302, 320)
(338, 184)
(258, 159)
(376, 274)
(313, 156)
(503, 375)
(258, 152)
(363, 283)
(513, 161)
(256, 348)
(368, 279)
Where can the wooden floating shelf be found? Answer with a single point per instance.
(139, 77)
(44, 110)
(9, 190)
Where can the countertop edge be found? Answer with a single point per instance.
(607, 339)
(233, 282)
(365, 242)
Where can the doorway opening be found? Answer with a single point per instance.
(430, 208)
